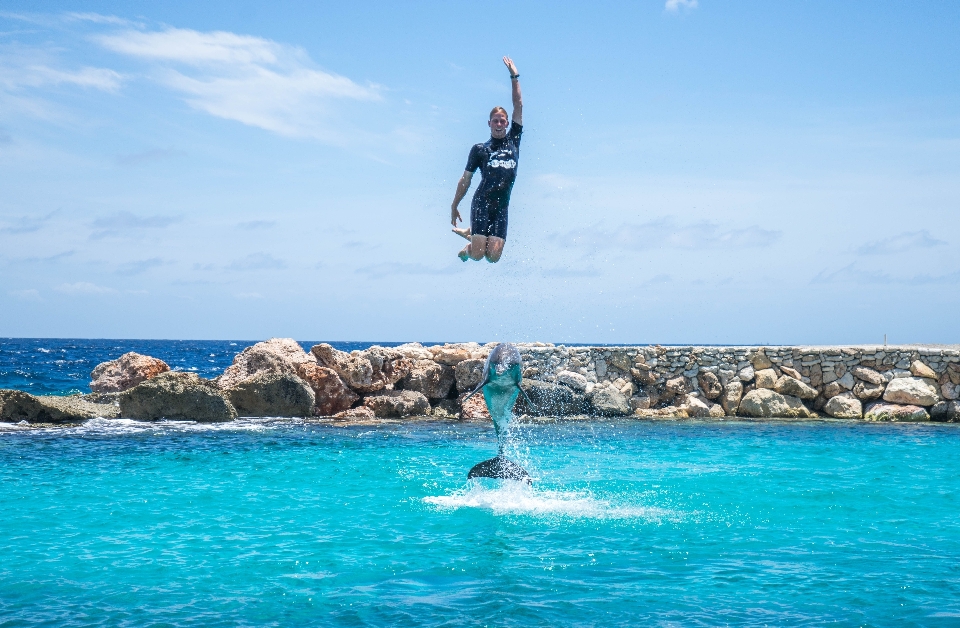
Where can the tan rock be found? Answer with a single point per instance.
(619, 360)
(760, 360)
(709, 384)
(331, 394)
(125, 372)
(432, 380)
(919, 369)
(912, 391)
(677, 385)
(360, 413)
(365, 371)
(868, 375)
(276, 356)
(450, 355)
(474, 409)
(789, 386)
(766, 378)
(832, 390)
(766, 403)
(397, 403)
(844, 406)
(867, 392)
(717, 411)
(789, 372)
(695, 407)
(468, 374)
(880, 411)
(643, 374)
(608, 401)
(730, 400)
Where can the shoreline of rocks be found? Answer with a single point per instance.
(277, 378)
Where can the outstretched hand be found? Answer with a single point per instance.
(507, 61)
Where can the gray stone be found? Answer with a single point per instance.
(868, 375)
(575, 381)
(16, 406)
(125, 372)
(746, 374)
(272, 394)
(867, 392)
(468, 374)
(844, 406)
(766, 378)
(766, 403)
(946, 411)
(176, 396)
(730, 400)
(790, 386)
(709, 384)
(432, 380)
(846, 382)
(949, 391)
(831, 390)
(277, 356)
(912, 391)
(609, 401)
(695, 407)
(880, 411)
(550, 400)
(398, 403)
(919, 369)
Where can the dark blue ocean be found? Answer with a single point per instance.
(292, 523)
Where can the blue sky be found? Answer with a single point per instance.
(691, 172)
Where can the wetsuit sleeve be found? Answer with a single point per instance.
(475, 159)
(516, 130)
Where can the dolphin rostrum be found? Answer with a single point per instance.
(501, 386)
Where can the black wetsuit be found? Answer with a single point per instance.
(497, 160)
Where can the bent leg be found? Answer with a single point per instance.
(477, 247)
(494, 248)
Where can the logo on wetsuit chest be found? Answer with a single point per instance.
(502, 163)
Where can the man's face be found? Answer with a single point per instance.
(498, 125)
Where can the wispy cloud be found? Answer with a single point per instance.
(257, 261)
(675, 5)
(139, 266)
(668, 233)
(244, 78)
(97, 18)
(905, 241)
(853, 274)
(83, 288)
(256, 225)
(125, 221)
(25, 224)
(24, 70)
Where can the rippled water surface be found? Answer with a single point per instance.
(627, 523)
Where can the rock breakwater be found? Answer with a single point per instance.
(278, 378)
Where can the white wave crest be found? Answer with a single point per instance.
(515, 498)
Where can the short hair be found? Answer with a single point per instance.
(496, 110)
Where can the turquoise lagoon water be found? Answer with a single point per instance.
(628, 523)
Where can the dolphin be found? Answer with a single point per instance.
(501, 386)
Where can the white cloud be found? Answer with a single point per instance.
(83, 288)
(675, 5)
(16, 75)
(249, 79)
(901, 242)
(667, 233)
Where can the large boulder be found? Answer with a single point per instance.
(608, 401)
(360, 413)
(125, 372)
(868, 375)
(397, 403)
(550, 399)
(574, 380)
(844, 406)
(331, 395)
(176, 396)
(767, 403)
(866, 391)
(16, 406)
(432, 380)
(272, 394)
(468, 374)
(677, 386)
(947, 411)
(730, 400)
(766, 378)
(275, 356)
(365, 371)
(880, 411)
(759, 359)
(694, 406)
(915, 391)
(790, 386)
(709, 384)
(452, 355)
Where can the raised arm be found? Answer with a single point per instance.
(515, 85)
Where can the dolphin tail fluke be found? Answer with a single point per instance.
(500, 468)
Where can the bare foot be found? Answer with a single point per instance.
(463, 233)
(464, 254)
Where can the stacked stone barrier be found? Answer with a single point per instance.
(278, 378)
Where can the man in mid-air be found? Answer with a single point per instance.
(497, 159)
